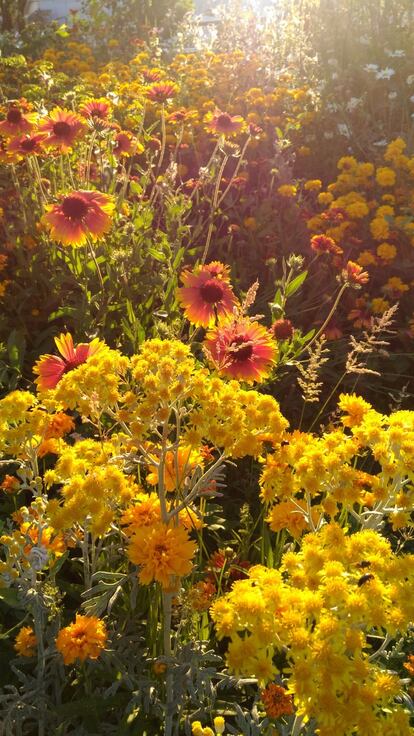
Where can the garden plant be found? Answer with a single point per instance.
(206, 370)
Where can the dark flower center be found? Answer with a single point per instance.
(212, 291)
(241, 349)
(28, 144)
(96, 112)
(74, 207)
(14, 116)
(224, 121)
(61, 129)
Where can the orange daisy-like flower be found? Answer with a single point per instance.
(81, 214)
(17, 122)
(51, 368)
(354, 274)
(178, 466)
(325, 244)
(84, 639)
(162, 92)
(277, 701)
(222, 123)
(206, 295)
(244, 350)
(96, 109)
(28, 145)
(163, 553)
(63, 128)
(25, 642)
(126, 144)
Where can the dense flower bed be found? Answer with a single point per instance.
(206, 435)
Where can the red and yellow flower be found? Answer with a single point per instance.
(51, 368)
(222, 123)
(80, 215)
(207, 295)
(241, 349)
(63, 128)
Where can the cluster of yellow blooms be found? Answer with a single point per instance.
(221, 412)
(368, 208)
(321, 608)
(308, 478)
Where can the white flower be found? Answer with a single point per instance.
(353, 103)
(386, 73)
(412, 98)
(392, 95)
(382, 142)
(328, 135)
(344, 130)
(371, 67)
(410, 79)
(397, 54)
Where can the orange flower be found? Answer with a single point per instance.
(28, 145)
(96, 110)
(353, 274)
(26, 642)
(126, 144)
(325, 244)
(243, 350)
(162, 92)
(178, 466)
(59, 425)
(10, 484)
(63, 128)
(223, 123)
(277, 701)
(51, 368)
(17, 122)
(162, 552)
(84, 639)
(206, 295)
(81, 214)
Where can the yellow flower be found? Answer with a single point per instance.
(219, 724)
(163, 553)
(355, 407)
(313, 185)
(387, 251)
(385, 176)
(84, 639)
(287, 190)
(26, 642)
(325, 198)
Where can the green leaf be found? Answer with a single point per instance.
(294, 285)
(10, 598)
(16, 348)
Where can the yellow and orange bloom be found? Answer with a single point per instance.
(96, 110)
(242, 349)
(28, 145)
(324, 244)
(126, 145)
(163, 553)
(207, 295)
(26, 642)
(277, 701)
(17, 122)
(221, 123)
(84, 639)
(354, 274)
(51, 368)
(80, 215)
(63, 128)
(162, 92)
(178, 466)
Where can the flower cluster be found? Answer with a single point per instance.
(321, 609)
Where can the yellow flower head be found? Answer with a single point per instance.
(84, 639)
(26, 642)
